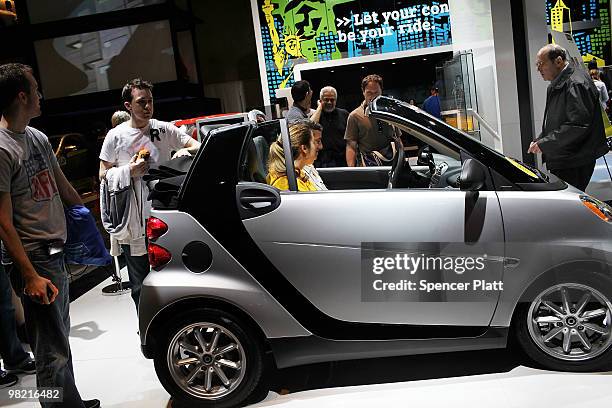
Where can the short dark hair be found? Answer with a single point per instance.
(12, 81)
(554, 50)
(299, 90)
(136, 83)
(371, 78)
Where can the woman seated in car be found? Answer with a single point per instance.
(304, 151)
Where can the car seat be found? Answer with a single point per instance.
(255, 166)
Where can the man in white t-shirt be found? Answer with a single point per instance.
(122, 144)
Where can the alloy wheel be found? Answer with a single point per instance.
(206, 360)
(571, 322)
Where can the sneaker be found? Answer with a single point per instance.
(27, 367)
(94, 403)
(7, 380)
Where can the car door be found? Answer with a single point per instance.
(322, 243)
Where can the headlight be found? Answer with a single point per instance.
(599, 208)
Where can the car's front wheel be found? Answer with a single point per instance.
(568, 327)
(209, 358)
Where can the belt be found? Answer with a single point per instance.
(50, 247)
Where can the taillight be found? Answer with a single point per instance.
(155, 228)
(158, 256)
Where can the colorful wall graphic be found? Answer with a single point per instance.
(303, 31)
(590, 25)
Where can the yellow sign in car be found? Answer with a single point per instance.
(522, 168)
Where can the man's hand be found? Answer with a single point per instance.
(181, 152)
(534, 148)
(37, 288)
(138, 166)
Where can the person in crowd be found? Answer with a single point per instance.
(256, 115)
(302, 97)
(368, 140)
(601, 88)
(33, 192)
(412, 102)
(333, 120)
(572, 135)
(16, 359)
(119, 117)
(122, 147)
(304, 152)
(431, 105)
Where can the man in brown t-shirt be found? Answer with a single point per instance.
(363, 133)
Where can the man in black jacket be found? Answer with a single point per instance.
(573, 136)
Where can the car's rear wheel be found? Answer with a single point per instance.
(209, 358)
(568, 327)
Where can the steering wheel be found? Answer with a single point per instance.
(397, 163)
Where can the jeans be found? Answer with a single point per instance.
(11, 350)
(138, 268)
(48, 328)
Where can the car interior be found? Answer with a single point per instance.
(435, 165)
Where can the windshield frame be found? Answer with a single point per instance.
(403, 114)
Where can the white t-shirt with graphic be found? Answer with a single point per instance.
(160, 138)
(122, 143)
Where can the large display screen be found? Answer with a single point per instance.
(103, 60)
(590, 25)
(41, 11)
(305, 31)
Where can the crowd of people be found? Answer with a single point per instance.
(34, 190)
(34, 193)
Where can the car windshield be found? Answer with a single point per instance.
(434, 131)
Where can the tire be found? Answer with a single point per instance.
(241, 363)
(567, 336)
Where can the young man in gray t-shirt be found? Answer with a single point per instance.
(33, 190)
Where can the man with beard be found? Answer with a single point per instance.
(333, 120)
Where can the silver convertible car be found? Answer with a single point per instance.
(465, 250)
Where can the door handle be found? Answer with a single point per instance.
(256, 199)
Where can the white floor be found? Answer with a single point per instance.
(109, 366)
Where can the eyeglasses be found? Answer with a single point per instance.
(539, 63)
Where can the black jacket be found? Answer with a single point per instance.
(573, 132)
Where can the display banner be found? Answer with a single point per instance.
(305, 31)
(589, 23)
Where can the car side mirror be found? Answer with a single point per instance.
(473, 175)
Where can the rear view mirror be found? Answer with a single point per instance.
(473, 175)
